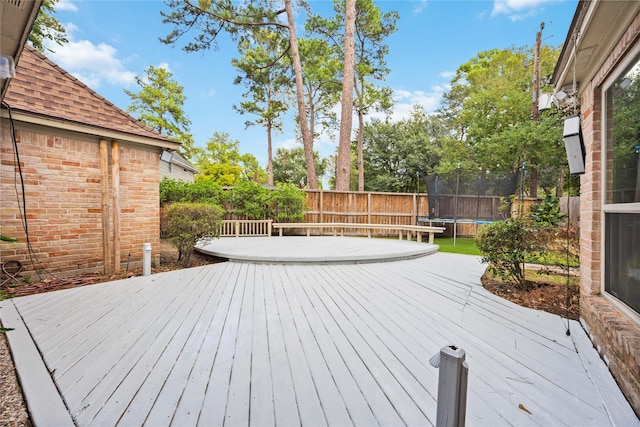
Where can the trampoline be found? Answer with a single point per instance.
(469, 197)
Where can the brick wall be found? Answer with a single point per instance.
(63, 200)
(615, 336)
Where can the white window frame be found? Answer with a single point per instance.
(632, 56)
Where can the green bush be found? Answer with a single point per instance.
(287, 204)
(504, 245)
(547, 211)
(173, 191)
(248, 199)
(191, 223)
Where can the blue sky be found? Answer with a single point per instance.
(113, 41)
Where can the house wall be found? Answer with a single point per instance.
(172, 171)
(615, 335)
(64, 201)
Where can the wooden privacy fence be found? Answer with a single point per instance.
(328, 206)
(365, 207)
(350, 207)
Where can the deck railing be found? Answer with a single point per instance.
(246, 227)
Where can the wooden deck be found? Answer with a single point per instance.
(265, 344)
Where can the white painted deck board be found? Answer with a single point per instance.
(239, 343)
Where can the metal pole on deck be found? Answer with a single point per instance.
(453, 373)
(146, 259)
(418, 198)
(455, 209)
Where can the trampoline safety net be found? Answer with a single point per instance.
(472, 195)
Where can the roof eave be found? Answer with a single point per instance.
(67, 126)
(596, 28)
(15, 25)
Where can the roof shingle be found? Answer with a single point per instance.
(41, 87)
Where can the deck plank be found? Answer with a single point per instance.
(285, 400)
(240, 343)
(309, 406)
(181, 396)
(155, 328)
(352, 395)
(261, 400)
(179, 351)
(157, 360)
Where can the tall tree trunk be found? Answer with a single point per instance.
(269, 154)
(307, 138)
(344, 147)
(360, 154)
(533, 183)
(560, 182)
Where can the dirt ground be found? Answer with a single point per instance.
(544, 294)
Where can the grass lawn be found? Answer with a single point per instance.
(464, 245)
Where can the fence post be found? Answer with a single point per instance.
(453, 373)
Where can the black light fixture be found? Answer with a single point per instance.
(574, 144)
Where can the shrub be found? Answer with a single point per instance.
(547, 211)
(287, 204)
(504, 245)
(191, 223)
(248, 199)
(201, 191)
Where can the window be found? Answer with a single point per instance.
(623, 139)
(623, 258)
(621, 170)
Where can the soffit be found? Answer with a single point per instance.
(599, 25)
(16, 20)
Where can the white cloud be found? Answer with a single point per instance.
(447, 74)
(288, 143)
(419, 7)
(517, 10)
(90, 63)
(405, 100)
(66, 5)
(165, 66)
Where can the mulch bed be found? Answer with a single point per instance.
(542, 295)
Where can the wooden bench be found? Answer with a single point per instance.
(335, 226)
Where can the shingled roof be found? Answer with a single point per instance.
(43, 89)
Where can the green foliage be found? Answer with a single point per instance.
(191, 223)
(287, 204)
(372, 27)
(221, 162)
(159, 105)
(547, 211)
(172, 191)
(3, 295)
(289, 166)
(46, 27)
(506, 244)
(249, 199)
(489, 112)
(4, 238)
(267, 79)
(395, 151)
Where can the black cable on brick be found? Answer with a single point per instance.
(33, 258)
